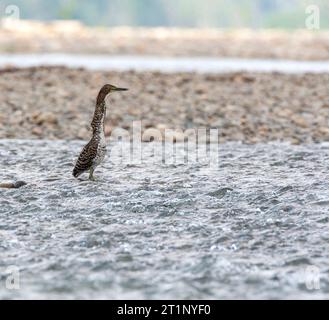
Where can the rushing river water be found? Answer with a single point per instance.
(163, 64)
(256, 226)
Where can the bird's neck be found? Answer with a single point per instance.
(97, 123)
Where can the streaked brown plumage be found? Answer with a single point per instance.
(94, 152)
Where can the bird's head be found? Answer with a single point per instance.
(107, 89)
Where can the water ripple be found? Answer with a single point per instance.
(248, 229)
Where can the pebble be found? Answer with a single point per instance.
(245, 107)
(298, 45)
(45, 117)
(37, 131)
(12, 185)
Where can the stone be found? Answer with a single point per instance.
(37, 131)
(152, 134)
(46, 117)
(300, 121)
(13, 185)
(246, 107)
(162, 127)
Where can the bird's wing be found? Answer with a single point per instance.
(86, 158)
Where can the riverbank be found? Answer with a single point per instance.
(23, 36)
(58, 103)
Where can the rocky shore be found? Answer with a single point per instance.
(58, 103)
(22, 36)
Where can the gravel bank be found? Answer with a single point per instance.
(58, 103)
(72, 37)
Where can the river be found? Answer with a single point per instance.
(255, 226)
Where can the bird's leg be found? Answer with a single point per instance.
(91, 174)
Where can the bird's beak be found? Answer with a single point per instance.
(120, 89)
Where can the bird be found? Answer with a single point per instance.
(93, 154)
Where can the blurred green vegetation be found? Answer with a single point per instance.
(287, 14)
